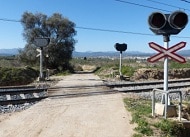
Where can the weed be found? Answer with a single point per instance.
(139, 110)
(137, 135)
(170, 128)
(128, 70)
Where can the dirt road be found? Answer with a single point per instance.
(92, 116)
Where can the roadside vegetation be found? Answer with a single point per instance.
(17, 76)
(13, 72)
(109, 67)
(152, 126)
(106, 68)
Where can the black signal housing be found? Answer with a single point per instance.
(167, 24)
(120, 47)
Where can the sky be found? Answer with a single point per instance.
(99, 23)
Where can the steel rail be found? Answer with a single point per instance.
(121, 84)
(81, 94)
(18, 91)
(112, 85)
(150, 89)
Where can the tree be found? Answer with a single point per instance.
(59, 29)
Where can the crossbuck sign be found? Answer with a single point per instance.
(170, 52)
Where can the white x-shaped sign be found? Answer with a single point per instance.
(170, 52)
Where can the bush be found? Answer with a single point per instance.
(17, 76)
(127, 70)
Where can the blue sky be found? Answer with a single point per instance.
(99, 14)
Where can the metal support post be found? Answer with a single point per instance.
(120, 74)
(41, 63)
(166, 104)
(153, 102)
(166, 46)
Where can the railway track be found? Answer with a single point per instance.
(148, 85)
(27, 94)
(21, 94)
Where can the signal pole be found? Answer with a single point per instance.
(120, 48)
(166, 46)
(120, 73)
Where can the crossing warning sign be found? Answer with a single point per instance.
(170, 52)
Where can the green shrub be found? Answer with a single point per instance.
(177, 65)
(127, 70)
(17, 76)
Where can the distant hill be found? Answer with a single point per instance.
(109, 54)
(14, 51)
(9, 52)
(185, 53)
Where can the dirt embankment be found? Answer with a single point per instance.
(158, 74)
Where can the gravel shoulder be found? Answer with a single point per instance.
(92, 116)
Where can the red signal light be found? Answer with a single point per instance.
(178, 19)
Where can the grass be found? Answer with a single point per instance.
(139, 112)
(148, 125)
(63, 73)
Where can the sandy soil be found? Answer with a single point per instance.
(91, 116)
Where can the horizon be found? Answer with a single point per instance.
(7, 51)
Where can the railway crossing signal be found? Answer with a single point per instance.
(120, 48)
(170, 52)
(167, 24)
(41, 42)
